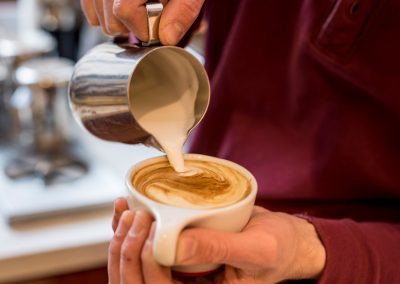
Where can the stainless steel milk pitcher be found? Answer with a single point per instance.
(107, 79)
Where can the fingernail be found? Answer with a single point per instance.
(117, 206)
(187, 248)
(137, 226)
(121, 203)
(174, 32)
(122, 227)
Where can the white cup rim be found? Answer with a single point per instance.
(149, 202)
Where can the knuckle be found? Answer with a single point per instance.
(114, 248)
(114, 29)
(127, 252)
(132, 242)
(216, 251)
(191, 8)
(117, 239)
(120, 11)
(113, 254)
(272, 246)
(126, 256)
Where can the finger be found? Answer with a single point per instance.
(258, 210)
(133, 14)
(99, 8)
(130, 265)
(152, 271)
(90, 12)
(114, 251)
(176, 19)
(120, 205)
(112, 24)
(199, 246)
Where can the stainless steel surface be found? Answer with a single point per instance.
(103, 85)
(44, 186)
(51, 168)
(45, 72)
(21, 46)
(39, 106)
(3, 111)
(3, 72)
(154, 11)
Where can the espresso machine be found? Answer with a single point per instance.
(39, 109)
(35, 116)
(45, 169)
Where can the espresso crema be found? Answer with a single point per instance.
(203, 185)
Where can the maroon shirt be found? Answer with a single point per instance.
(306, 95)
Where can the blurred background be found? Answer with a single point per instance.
(57, 183)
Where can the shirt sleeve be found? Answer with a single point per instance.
(359, 252)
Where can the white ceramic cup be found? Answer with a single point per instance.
(170, 221)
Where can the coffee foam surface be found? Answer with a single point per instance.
(203, 185)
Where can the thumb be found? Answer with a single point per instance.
(200, 246)
(176, 19)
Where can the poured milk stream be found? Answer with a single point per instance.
(165, 107)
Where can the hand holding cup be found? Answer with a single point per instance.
(212, 193)
(272, 247)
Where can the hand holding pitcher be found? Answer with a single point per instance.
(120, 97)
(124, 16)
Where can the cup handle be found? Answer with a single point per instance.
(165, 242)
(169, 225)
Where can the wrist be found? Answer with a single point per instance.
(310, 257)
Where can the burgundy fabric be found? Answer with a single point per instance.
(306, 95)
(359, 252)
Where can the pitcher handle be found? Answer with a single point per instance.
(154, 10)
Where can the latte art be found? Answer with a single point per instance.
(203, 185)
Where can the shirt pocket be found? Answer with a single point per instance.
(345, 24)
